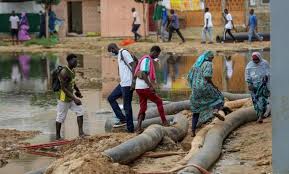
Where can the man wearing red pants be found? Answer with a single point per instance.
(145, 86)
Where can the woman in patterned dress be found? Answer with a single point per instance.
(257, 77)
(205, 95)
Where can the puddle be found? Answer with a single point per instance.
(27, 104)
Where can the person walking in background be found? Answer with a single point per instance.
(229, 25)
(174, 26)
(23, 34)
(205, 95)
(135, 24)
(208, 27)
(258, 77)
(14, 24)
(42, 25)
(126, 67)
(164, 24)
(145, 86)
(253, 27)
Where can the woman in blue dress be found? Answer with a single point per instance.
(205, 95)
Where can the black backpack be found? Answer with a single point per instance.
(55, 79)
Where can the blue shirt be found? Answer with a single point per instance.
(252, 21)
(164, 17)
(175, 21)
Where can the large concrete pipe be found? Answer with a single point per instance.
(240, 37)
(147, 141)
(146, 123)
(173, 108)
(232, 97)
(212, 147)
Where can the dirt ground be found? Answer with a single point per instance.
(10, 141)
(98, 46)
(248, 150)
(84, 156)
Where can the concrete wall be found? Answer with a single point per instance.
(116, 17)
(90, 15)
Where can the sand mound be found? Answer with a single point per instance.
(10, 141)
(84, 156)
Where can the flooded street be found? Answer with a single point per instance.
(27, 104)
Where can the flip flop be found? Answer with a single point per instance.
(219, 116)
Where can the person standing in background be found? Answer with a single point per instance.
(208, 27)
(14, 21)
(23, 34)
(42, 25)
(135, 24)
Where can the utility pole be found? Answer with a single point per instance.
(280, 86)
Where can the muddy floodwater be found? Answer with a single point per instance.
(26, 102)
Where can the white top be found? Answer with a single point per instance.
(208, 16)
(229, 18)
(229, 67)
(135, 15)
(14, 22)
(144, 67)
(125, 73)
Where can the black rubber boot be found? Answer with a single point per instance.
(80, 126)
(58, 128)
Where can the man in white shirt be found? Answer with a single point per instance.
(229, 25)
(135, 24)
(126, 65)
(14, 21)
(145, 86)
(208, 27)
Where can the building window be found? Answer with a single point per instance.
(265, 1)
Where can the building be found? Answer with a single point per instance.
(108, 18)
(30, 7)
(113, 18)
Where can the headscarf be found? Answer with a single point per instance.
(24, 19)
(202, 58)
(255, 73)
(199, 62)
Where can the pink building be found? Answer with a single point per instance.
(108, 18)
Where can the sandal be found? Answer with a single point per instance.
(219, 116)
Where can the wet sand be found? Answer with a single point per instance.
(10, 141)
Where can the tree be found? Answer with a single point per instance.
(144, 2)
(47, 5)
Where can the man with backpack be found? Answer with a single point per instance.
(64, 84)
(126, 67)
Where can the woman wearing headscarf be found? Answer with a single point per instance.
(23, 34)
(257, 77)
(205, 95)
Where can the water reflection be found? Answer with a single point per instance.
(20, 72)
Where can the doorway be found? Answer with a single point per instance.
(75, 17)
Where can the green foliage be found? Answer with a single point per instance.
(48, 2)
(146, 1)
(47, 43)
